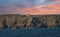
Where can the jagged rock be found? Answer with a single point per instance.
(1, 21)
(10, 20)
(28, 24)
(31, 21)
(51, 22)
(21, 21)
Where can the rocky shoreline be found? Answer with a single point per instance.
(29, 21)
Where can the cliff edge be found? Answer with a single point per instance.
(13, 21)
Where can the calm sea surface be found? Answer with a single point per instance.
(42, 32)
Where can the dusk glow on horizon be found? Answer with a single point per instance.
(33, 7)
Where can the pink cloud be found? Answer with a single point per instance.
(37, 10)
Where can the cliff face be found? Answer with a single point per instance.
(33, 21)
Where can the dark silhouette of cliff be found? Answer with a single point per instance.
(13, 21)
(4, 24)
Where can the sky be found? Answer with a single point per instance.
(32, 7)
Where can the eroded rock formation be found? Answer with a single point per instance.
(33, 21)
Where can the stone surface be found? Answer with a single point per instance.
(33, 21)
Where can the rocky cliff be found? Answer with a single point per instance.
(12, 21)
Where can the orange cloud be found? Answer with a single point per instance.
(37, 10)
(56, 0)
(40, 10)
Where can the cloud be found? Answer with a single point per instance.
(25, 7)
(23, 3)
(37, 10)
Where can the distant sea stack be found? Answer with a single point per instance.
(14, 21)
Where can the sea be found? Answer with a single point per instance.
(41, 32)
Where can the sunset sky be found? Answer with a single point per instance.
(33, 7)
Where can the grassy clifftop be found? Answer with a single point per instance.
(14, 21)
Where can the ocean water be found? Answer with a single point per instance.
(42, 32)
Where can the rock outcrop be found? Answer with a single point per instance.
(33, 21)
